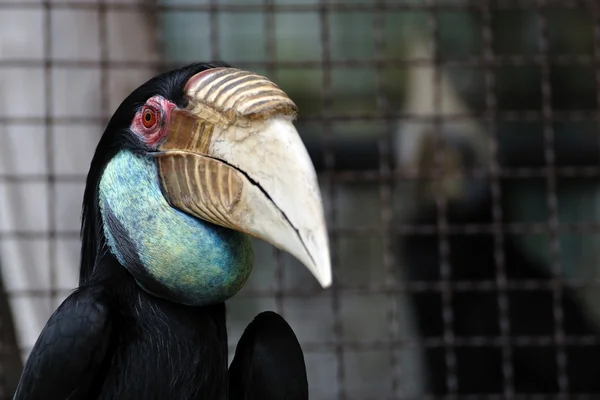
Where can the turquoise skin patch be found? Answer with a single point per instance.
(200, 262)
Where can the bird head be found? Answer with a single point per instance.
(193, 163)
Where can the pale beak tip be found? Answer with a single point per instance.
(323, 271)
(325, 279)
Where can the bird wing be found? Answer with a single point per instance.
(268, 362)
(66, 360)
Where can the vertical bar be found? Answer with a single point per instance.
(215, 48)
(497, 212)
(593, 4)
(441, 206)
(329, 179)
(49, 146)
(270, 46)
(3, 352)
(11, 364)
(552, 200)
(153, 12)
(385, 194)
(104, 52)
(595, 8)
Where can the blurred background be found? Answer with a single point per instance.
(457, 144)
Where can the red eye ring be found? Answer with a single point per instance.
(149, 117)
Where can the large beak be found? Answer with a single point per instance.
(233, 157)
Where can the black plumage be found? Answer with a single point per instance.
(268, 351)
(112, 340)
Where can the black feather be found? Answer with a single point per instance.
(268, 362)
(70, 353)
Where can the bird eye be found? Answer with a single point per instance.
(149, 117)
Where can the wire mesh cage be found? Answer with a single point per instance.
(458, 153)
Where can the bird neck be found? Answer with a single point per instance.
(170, 254)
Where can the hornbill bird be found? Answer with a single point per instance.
(192, 163)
